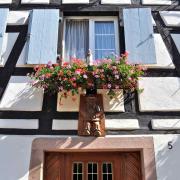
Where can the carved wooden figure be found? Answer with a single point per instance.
(91, 116)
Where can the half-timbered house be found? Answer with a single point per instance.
(39, 138)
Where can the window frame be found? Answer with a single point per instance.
(92, 20)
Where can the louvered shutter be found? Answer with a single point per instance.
(43, 36)
(139, 36)
(3, 22)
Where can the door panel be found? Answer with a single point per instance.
(132, 164)
(52, 166)
(93, 166)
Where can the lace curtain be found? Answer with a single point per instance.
(76, 39)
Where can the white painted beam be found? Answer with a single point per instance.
(8, 43)
(18, 17)
(35, 1)
(162, 55)
(165, 124)
(159, 94)
(20, 96)
(176, 38)
(156, 2)
(5, 1)
(122, 124)
(64, 124)
(171, 18)
(75, 1)
(19, 123)
(115, 1)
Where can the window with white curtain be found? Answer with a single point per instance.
(97, 34)
(76, 39)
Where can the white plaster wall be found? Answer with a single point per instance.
(15, 154)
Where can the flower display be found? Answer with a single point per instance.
(110, 73)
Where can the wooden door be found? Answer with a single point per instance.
(92, 166)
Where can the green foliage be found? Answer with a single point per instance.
(110, 73)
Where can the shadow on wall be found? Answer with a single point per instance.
(15, 152)
(167, 160)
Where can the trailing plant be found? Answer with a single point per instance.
(110, 73)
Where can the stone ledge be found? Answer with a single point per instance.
(19, 123)
(122, 124)
(165, 124)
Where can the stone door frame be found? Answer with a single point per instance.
(144, 145)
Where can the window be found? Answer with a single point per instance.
(92, 171)
(104, 39)
(107, 171)
(77, 171)
(76, 38)
(99, 34)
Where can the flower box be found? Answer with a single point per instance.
(112, 74)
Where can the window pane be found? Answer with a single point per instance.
(90, 177)
(104, 27)
(80, 177)
(105, 177)
(104, 168)
(89, 167)
(74, 176)
(76, 39)
(99, 54)
(107, 171)
(77, 170)
(109, 176)
(105, 42)
(109, 168)
(104, 39)
(94, 176)
(80, 168)
(92, 171)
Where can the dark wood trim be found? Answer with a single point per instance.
(8, 69)
(94, 5)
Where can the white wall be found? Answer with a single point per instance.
(15, 154)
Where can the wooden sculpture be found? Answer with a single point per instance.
(91, 116)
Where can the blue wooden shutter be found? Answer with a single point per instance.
(43, 36)
(139, 35)
(3, 22)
